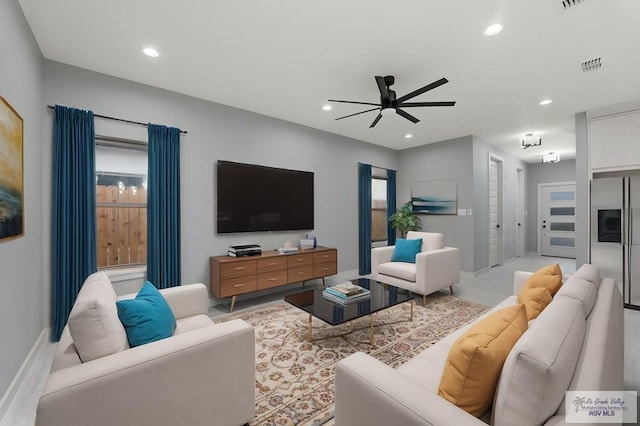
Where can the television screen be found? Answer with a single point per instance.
(258, 198)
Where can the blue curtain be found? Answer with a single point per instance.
(391, 206)
(73, 234)
(163, 206)
(364, 218)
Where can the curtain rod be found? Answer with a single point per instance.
(121, 119)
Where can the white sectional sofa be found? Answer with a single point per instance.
(203, 374)
(575, 344)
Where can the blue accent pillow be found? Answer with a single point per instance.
(406, 250)
(146, 318)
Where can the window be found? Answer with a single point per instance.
(378, 209)
(121, 202)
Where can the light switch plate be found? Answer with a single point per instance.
(468, 212)
(462, 212)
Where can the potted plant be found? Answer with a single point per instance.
(405, 220)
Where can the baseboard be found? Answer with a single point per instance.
(481, 271)
(12, 391)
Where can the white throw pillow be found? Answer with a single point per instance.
(93, 322)
(539, 368)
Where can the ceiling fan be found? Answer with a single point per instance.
(390, 104)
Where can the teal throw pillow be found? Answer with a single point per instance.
(146, 318)
(406, 250)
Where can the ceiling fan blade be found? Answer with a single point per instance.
(407, 115)
(427, 104)
(353, 102)
(376, 121)
(357, 113)
(422, 90)
(384, 92)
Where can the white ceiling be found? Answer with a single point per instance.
(285, 58)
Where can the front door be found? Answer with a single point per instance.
(558, 220)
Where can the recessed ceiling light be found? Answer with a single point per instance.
(327, 108)
(493, 29)
(151, 52)
(546, 102)
(408, 136)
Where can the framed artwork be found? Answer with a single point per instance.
(11, 172)
(435, 197)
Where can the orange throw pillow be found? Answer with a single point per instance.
(534, 299)
(475, 360)
(549, 277)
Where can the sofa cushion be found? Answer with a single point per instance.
(430, 240)
(534, 299)
(582, 290)
(550, 277)
(146, 318)
(539, 368)
(93, 321)
(406, 250)
(475, 360)
(402, 270)
(184, 325)
(589, 273)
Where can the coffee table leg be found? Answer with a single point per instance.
(411, 315)
(371, 330)
(310, 332)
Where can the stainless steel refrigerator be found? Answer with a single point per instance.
(615, 233)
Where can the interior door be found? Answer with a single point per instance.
(494, 213)
(558, 220)
(520, 213)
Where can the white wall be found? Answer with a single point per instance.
(21, 293)
(217, 132)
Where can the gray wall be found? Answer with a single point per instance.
(563, 171)
(452, 159)
(583, 176)
(481, 151)
(218, 132)
(21, 300)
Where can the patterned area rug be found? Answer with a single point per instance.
(295, 378)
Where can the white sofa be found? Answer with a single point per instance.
(575, 344)
(203, 374)
(437, 267)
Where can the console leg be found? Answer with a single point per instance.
(233, 302)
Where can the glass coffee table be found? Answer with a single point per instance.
(383, 296)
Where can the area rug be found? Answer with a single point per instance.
(295, 378)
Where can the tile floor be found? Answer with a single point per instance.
(488, 288)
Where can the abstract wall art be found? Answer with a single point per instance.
(11, 172)
(435, 197)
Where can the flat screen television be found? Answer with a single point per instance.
(253, 198)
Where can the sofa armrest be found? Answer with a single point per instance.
(519, 280)
(189, 378)
(369, 392)
(185, 300)
(380, 255)
(437, 269)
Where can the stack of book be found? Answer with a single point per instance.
(346, 293)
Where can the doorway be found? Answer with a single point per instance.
(557, 219)
(495, 210)
(520, 212)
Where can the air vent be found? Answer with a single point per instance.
(568, 4)
(592, 65)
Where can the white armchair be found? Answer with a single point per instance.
(436, 267)
(203, 374)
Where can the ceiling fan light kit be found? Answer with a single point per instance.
(390, 104)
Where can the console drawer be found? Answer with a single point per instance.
(301, 273)
(325, 269)
(272, 279)
(238, 285)
(325, 256)
(237, 269)
(295, 260)
(272, 264)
